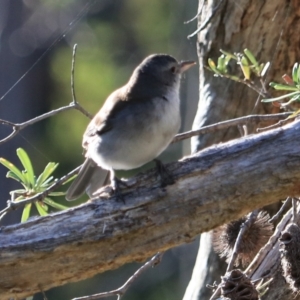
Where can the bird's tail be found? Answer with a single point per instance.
(89, 179)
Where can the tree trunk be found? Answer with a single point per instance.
(270, 30)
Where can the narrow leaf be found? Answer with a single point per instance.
(295, 73)
(229, 54)
(12, 168)
(227, 60)
(221, 64)
(40, 209)
(55, 194)
(264, 69)
(294, 114)
(213, 66)
(282, 87)
(251, 57)
(49, 169)
(244, 64)
(12, 175)
(53, 204)
(47, 182)
(26, 212)
(298, 75)
(295, 98)
(70, 179)
(25, 160)
(279, 98)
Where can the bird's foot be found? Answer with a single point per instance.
(165, 177)
(116, 185)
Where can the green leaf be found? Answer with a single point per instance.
(12, 175)
(227, 60)
(49, 169)
(70, 179)
(233, 77)
(55, 194)
(264, 68)
(25, 160)
(40, 209)
(298, 75)
(294, 114)
(282, 87)
(53, 204)
(221, 64)
(229, 54)
(280, 97)
(26, 212)
(13, 169)
(244, 64)
(251, 57)
(295, 72)
(295, 98)
(47, 182)
(213, 66)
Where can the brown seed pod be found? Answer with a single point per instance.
(290, 255)
(236, 285)
(254, 238)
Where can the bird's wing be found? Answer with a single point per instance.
(103, 120)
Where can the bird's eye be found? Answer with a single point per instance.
(173, 70)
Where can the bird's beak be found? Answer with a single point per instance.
(185, 65)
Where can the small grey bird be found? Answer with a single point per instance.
(135, 125)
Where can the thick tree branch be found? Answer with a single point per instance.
(214, 186)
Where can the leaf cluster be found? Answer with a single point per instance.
(32, 185)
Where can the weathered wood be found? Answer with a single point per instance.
(214, 186)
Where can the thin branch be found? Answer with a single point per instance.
(261, 92)
(294, 218)
(214, 13)
(229, 123)
(17, 127)
(122, 290)
(278, 124)
(12, 205)
(250, 220)
(285, 204)
(20, 126)
(245, 226)
(72, 74)
(197, 15)
(75, 103)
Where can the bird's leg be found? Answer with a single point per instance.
(165, 177)
(116, 184)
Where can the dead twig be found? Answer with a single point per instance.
(229, 123)
(74, 102)
(294, 202)
(245, 226)
(250, 220)
(17, 127)
(122, 290)
(278, 124)
(214, 13)
(285, 204)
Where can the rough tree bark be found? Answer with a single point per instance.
(210, 189)
(270, 30)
